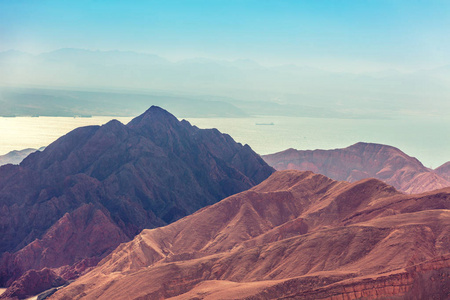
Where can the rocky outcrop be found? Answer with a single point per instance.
(86, 232)
(364, 160)
(427, 280)
(296, 235)
(99, 186)
(32, 283)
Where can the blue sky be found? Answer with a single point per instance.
(358, 34)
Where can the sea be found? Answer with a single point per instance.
(426, 138)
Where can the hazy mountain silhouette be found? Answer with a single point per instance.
(301, 91)
(70, 102)
(16, 156)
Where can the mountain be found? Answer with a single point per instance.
(363, 160)
(444, 171)
(70, 205)
(75, 102)
(16, 156)
(297, 235)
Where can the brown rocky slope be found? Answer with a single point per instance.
(99, 186)
(444, 171)
(297, 235)
(364, 160)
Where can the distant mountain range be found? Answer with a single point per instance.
(297, 235)
(365, 160)
(67, 207)
(16, 156)
(282, 90)
(85, 103)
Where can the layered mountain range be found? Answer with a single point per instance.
(70, 205)
(15, 157)
(297, 235)
(289, 90)
(365, 160)
(141, 199)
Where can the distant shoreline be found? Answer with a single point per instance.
(422, 138)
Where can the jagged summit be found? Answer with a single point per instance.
(152, 115)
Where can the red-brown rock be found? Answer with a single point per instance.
(296, 235)
(32, 283)
(444, 171)
(365, 160)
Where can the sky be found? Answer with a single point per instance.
(342, 35)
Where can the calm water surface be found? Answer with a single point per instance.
(27, 132)
(428, 139)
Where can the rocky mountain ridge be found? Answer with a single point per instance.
(365, 160)
(70, 205)
(296, 235)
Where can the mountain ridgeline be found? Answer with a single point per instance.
(365, 160)
(298, 90)
(98, 186)
(15, 157)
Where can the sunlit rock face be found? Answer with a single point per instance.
(364, 160)
(297, 235)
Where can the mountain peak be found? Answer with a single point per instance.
(156, 109)
(364, 160)
(148, 173)
(154, 113)
(365, 146)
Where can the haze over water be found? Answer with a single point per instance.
(427, 139)
(26, 132)
(379, 71)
